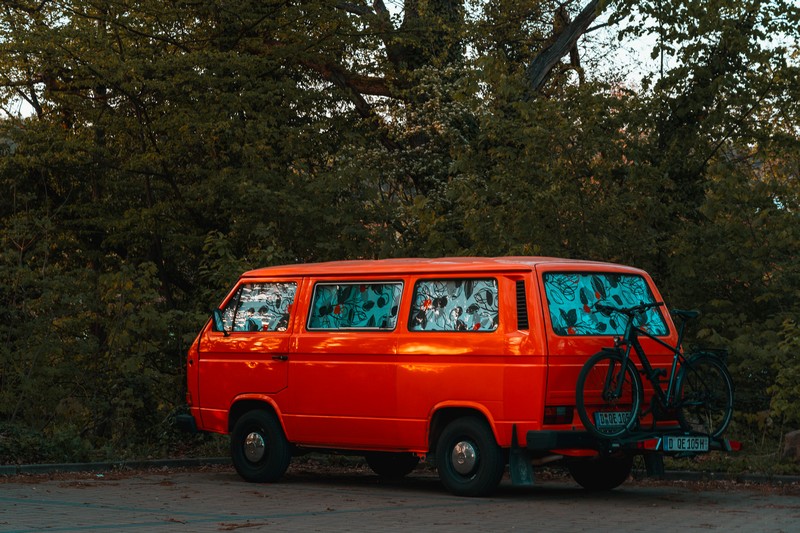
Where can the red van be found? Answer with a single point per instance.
(468, 362)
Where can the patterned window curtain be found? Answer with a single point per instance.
(571, 298)
(355, 305)
(260, 307)
(455, 305)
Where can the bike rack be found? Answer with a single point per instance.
(652, 441)
(639, 441)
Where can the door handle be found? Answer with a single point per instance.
(280, 357)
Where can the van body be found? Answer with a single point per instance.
(468, 362)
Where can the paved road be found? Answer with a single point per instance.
(355, 500)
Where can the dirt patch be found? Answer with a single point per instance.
(765, 487)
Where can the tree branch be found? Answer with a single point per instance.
(355, 9)
(539, 69)
(351, 85)
(380, 7)
(371, 85)
(379, 19)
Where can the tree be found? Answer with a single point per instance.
(167, 147)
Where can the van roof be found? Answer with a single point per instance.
(428, 265)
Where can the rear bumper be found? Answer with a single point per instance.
(635, 442)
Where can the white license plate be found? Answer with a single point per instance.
(685, 443)
(611, 420)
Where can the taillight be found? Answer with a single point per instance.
(558, 414)
(188, 398)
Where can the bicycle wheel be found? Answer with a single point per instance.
(608, 396)
(705, 390)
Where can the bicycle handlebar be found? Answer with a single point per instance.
(629, 311)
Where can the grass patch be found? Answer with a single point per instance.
(762, 458)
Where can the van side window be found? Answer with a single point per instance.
(571, 297)
(259, 307)
(454, 305)
(355, 305)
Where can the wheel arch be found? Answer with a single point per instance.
(244, 404)
(445, 414)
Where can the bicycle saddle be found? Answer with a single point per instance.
(686, 315)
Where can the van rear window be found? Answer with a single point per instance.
(571, 297)
(366, 305)
(454, 305)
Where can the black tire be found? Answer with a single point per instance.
(601, 473)
(705, 389)
(603, 414)
(469, 460)
(392, 465)
(259, 448)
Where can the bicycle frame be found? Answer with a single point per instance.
(630, 339)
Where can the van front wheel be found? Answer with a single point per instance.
(469, 461)
(259, 449)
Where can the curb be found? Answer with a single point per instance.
(15, 470)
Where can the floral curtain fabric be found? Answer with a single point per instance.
(571, 298)
(455, 305)
(355, 305)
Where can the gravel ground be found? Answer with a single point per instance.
(304, 468)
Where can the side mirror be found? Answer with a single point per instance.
(217, 323)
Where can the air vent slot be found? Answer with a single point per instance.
(522, 306)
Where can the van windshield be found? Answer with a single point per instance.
(259, 307)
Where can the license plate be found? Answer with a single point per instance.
(685, 443)
(611, 420)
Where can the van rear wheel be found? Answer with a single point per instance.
(601, 473)
(259, 449)
(469, 461)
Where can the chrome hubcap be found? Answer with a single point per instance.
(464, 457)
(254, 447)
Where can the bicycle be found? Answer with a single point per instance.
(699, 392)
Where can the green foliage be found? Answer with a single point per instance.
(786, 386)
(23, 444)
(166, 147)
